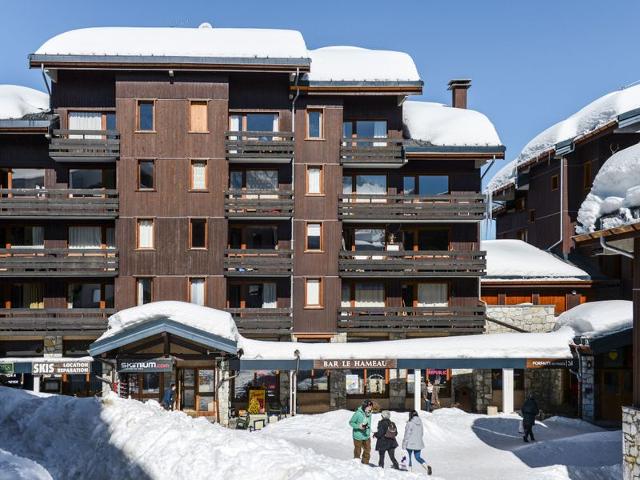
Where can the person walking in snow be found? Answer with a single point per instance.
(360, 424)
(530, 411)
(428, 396)
(413, 442)
(169, 398)
(386, 439)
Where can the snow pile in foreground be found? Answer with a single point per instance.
(595, 319)
(17, 101)
(615, 190)
(517, 260)
(440, 124)
(13, 467)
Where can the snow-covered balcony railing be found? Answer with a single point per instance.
(264, 263)
(258, 204)
(262, 320)
(411, 208)
(40, 203)
(22, 321)
(469, 318)
(260, 147)
(58, 262)
(372, 152)
(424, 263)
(85, 145)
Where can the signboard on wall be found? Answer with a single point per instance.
(61, 367)
(151, 365)
(6, 369)
(549, 363)
(257, 400)
(354, 364)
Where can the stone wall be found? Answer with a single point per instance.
(631, 443)
(482, 390)
(587, 378)
(532, 318)
(546, 387)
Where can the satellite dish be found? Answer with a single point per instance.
(205, 25)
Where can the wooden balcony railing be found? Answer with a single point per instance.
(372, 152)
(268, 147)
(84, 145)
(262, 320)
(266, 263)
(253, 203)
(58, 262)
(449, 319)
(22, 321)
(58, 203)
(411, 208)
(424, 263)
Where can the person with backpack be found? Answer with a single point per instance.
(386, 439)
(413, 442)
(360, 424)
(530, 411)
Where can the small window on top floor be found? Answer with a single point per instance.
(555, 182)
(146, 114)
(198, 116)
(315, 128)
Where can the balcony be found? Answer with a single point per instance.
(258, 263)
(372, 153)
(425, 263)
(455, 207)
(252, 204)
(274, 321)
(58, 262)
(70, 204)
(85, 146)
(260, 147)
(66, 321)
(438, 320)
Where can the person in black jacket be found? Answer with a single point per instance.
(386, 439)
(530, 411)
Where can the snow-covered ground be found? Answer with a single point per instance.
(116, 438)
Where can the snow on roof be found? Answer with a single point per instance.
(597, 319)
(216, 322)
(615, 190)
(439, 124)
(505, 176)
(180, 42)
(345, 63)
(17, 101)
(518, 260)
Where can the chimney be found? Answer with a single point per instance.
(459, 87)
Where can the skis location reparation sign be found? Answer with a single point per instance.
(549, 363)
(152, 365)
(354, 364)
(60, 368)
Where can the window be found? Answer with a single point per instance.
(369, 239)
(92, 178)
(146, 121)
(369, 381)
(85, 237)
(259, 295)
(369, 295)
(198, 228)
(262, 179)
(26, 237)
(27, 178)
(198, 116)
(586, 175)
(145, 233)
(254, 122)
(198, 175)
(366, 129)
(196, 291)
(365, 184)
(532, 216)
(313, 292)
(143, 290)
(314, 181)
(409, 185)
(314, 236)
(433, 295)
(314, 124)
(433, 184)
(313, 380)
(88, 121)
(146, 172)
(27, 295)
(84, 295)
(554, 182)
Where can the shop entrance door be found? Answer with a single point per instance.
(197, 391)
(613, 392)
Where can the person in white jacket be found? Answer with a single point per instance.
(413, 442)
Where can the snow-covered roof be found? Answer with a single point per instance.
(616, 189)
(355, 64)
(518, 260)
(597, 319)
(17, 101)
(439, 124)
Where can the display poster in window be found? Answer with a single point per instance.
(257, 400)
(6, 369)
(352, 384)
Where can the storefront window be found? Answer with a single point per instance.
(366, 382)
(496, 379)
(205, 381)
(313, 381)
(151, 383)
(258, 379)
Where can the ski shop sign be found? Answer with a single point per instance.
(61, 368)
(153, 365)
(354, 364)
(549, 363)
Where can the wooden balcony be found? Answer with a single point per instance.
(65, 321)
(455, 207)
(255, 204)
(424, 263)
(372, 153)
(58, 262)
(258, 263)
(274, 321)
(29, 203)
(437, 320)
(260, 147)
(85, 146)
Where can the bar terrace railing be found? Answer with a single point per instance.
(254, 146)
(258, 262)
(84, 145)
(58, 262)
(23, 321)
(372, 152)
(23, 203)
(255, 203)
(262, 320)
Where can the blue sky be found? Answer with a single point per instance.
(532, 62)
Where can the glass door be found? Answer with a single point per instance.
(187, 389)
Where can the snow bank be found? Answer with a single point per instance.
(615, 189)
(17, 101)
(345, 63)
(13, 467)
(596, 319)
(518, 260)
(440, 124)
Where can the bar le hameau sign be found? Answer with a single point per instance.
(354, 364)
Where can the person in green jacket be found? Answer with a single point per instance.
(361, 425)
